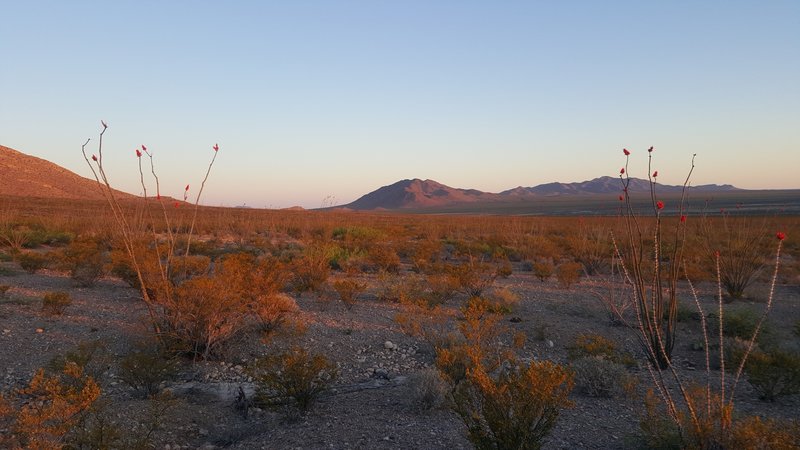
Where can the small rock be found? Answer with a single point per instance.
(40, 330)
(550, 343)
(388, 345)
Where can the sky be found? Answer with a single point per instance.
(315, 103)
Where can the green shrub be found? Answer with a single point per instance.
(597, 376)
(54, 303)
(595, 345)
(85, 260)
(145, 368)
(31, 262)
(428, 389)
(293, 378)
(774, 373)
(90, 356)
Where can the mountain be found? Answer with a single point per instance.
(607, 185)
(28, 176)
(422, 194)
(418, 193)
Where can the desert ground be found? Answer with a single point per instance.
(378, 296)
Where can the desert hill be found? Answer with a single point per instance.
(418, 193)
(28, 176)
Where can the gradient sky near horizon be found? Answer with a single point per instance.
(316, 100)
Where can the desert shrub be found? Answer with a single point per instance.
(4, 290)
(591, 248)
(188, 266)
(713, 428)
(742, 324)
(504, 270)
(400, 289)
(145, 368)
(503, 300)
(543, 270)
(85, 260)
(42, 414)
(428, 389)
(54, 303)
(428, 322)
(474, 277)
(384, 258)
(596, 376)
(311, 271)
(773, 373)
(568, 273)
(31, 262)
(90, 356)
(207, 312)
(293, 378)
(442, 287)
(598, 346)
(736, 247)
(516, 409)
(273, 311)
(349, 290)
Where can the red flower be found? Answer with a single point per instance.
(650, 150)
(144, 149)
(138, 153)
(660, 204)
(216, 147)
(625, 150)
(683, 219)
(158, 196)
(655, 174)
(780, 235)
(621, 198)
(94, 158)
(177, 204)
(103, 122)
(187, 188)
(622, 171)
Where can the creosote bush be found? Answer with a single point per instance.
(44, 413)
(568, 273)
(597, 376)
(428, 389)
(85, 260)
(55, 303)
(515, 409)
(31, 261)
(349, 290)
(145, 368)
(295, 378)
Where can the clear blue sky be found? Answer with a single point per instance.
(310, 99)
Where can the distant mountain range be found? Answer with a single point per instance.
(422, 194)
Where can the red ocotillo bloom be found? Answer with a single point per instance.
(655, 174)
(138, 153)
(650, 150)
(621, 198)
(683, 219)
(187, 188)
(626, 152)
(622, 171)
(216, 147)
(780, 235)
(660, 204)
(94, 158)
